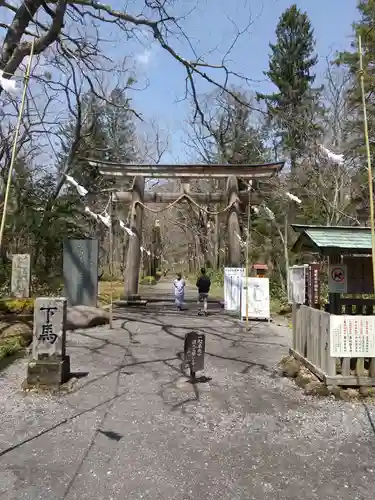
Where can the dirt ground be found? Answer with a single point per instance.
(133, 427)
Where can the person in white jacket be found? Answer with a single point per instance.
(179, 291)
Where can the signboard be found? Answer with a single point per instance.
(352, 336)
(194, 347)
(297, 284)
(233, 278)
(256, 298)
(337, 278)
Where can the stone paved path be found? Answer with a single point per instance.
(132, 428)
(164, 291)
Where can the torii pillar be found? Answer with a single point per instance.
(234, 244)
(133, 256)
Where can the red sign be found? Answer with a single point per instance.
(338, 274)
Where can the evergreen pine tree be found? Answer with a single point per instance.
(292, 108)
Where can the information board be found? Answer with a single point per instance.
(233, 279)
(297, 284)
(256, 298)
(352, 336)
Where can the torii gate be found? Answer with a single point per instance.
(137, 196)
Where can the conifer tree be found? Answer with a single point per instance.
(292, 107)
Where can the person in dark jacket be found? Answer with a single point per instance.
(203, 285)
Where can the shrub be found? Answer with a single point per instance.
(17, 306)
(11, 346)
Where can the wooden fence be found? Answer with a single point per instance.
(311, 345)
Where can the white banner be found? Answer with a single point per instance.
(352, 336)
(256, 298)
(233, 278)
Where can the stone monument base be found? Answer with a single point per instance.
(135, 297)
(48, 372)
(134, 300)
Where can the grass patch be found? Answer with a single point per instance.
(216, 291)
(105, 291)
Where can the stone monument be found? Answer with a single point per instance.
(49, 366)
(20, 284)
(80, 269)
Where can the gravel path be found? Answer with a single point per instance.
(133, 428)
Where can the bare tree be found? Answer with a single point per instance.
(76, 29)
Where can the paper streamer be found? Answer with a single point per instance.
(80, 189)
(335, 158)
(90, 212)
(106, 219)
(8, 85)
(269, 212)
(126, 228)
(241, 241)
(293, 197)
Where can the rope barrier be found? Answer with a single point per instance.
(181, 198)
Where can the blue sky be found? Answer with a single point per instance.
(209, 27)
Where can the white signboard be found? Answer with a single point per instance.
(256, 298)
(338, 278)
(233, 277)
(297, 284)
(352, 336)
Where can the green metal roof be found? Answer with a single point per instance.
(321, 238)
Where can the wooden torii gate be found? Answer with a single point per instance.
(137, 196)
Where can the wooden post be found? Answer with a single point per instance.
(133, 256)
(155, 248)
(234, 246)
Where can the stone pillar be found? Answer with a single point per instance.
(20, 284)
(234, 246)
(133, 256)
(49, 366)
